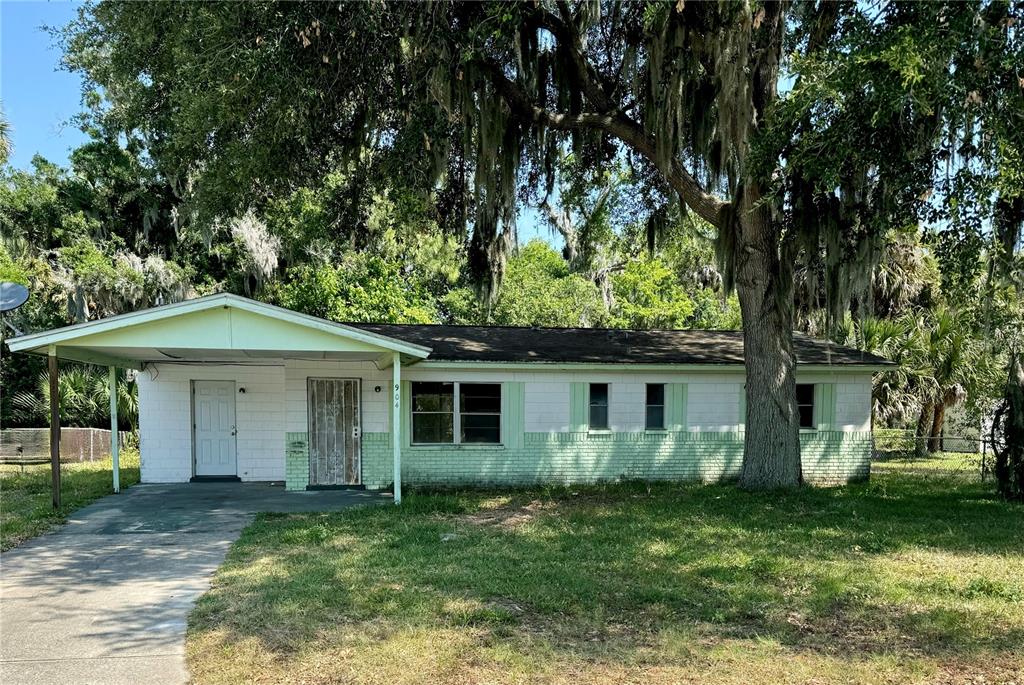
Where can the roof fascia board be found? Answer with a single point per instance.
(56, 336)
(91, 357)
(392, 344)
(637, 366)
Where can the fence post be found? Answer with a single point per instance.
(984, 455)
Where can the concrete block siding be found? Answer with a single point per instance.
(704, 441)
(165, 420)
(828, 459)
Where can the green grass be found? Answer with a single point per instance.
(913, 577)
(26, 508)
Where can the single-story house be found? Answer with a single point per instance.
(231, 388)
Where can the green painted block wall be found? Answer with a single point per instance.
(829, 458)
(296, 461)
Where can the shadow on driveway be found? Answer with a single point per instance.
(105, 598)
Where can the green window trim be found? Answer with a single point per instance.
(825, 406)
(675, 407)
(578, 407)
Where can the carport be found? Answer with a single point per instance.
(219, 328)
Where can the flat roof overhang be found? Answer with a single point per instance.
(223, 327)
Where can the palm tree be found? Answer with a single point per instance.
(938, 363)
(84, 399)
(5, 138)
(896, 392)
(954, 357)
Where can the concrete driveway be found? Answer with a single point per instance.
(104, 599)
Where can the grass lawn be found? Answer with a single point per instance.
(913, 577)
(26, 509)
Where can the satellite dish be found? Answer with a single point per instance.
(12, 296)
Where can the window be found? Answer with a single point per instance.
(433, 412)
(480, 412)
(655, 407)
(598, 406)
(435, 420)
(805, 404)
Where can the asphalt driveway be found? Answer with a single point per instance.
(104, 599)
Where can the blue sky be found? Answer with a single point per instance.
(38, 98)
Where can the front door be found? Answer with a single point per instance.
(213, 426)
(333, 432)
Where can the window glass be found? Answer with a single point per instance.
(598, 406)
(655, 406)
(480, 412)
(805, 404)
(433, 416)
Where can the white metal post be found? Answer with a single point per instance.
(396, 423)
(114, 447)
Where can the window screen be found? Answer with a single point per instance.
(433, 415)
(805, 404)
(598, 406)
(655, 406)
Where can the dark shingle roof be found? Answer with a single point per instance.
(602, 346)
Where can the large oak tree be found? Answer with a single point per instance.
(476, 104)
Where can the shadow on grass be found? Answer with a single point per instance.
(903, 563)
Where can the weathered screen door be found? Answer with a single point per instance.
(213, 427)
(334, 431)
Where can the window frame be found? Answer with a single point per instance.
(412, 413)
(647, 407)
(607, 408)
(813, 405)
(459, 412)
(457, 415)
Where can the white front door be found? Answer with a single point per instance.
(213, 427)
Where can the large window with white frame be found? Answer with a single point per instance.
(438, 419)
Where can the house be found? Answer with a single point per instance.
(231, 388)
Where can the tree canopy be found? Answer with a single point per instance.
(800, 139)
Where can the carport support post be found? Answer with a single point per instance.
(396, 423)
(54, 425)
(114, 451)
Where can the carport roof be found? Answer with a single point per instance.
(220, 327)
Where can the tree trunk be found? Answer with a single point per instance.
(1008, 434)
(935, 436)
(924, 423)
(771, 454)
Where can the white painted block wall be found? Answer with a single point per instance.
(165, 420)
(374, 405)
(547, 406)
(275, 403)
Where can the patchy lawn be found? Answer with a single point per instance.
(26, 509)
(913, 577)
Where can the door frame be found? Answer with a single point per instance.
(359, 418)
(192, 420)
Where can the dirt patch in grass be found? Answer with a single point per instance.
(508, 516)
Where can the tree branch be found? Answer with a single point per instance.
(706, 205)
(569, 39)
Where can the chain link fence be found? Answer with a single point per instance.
(963, 455)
